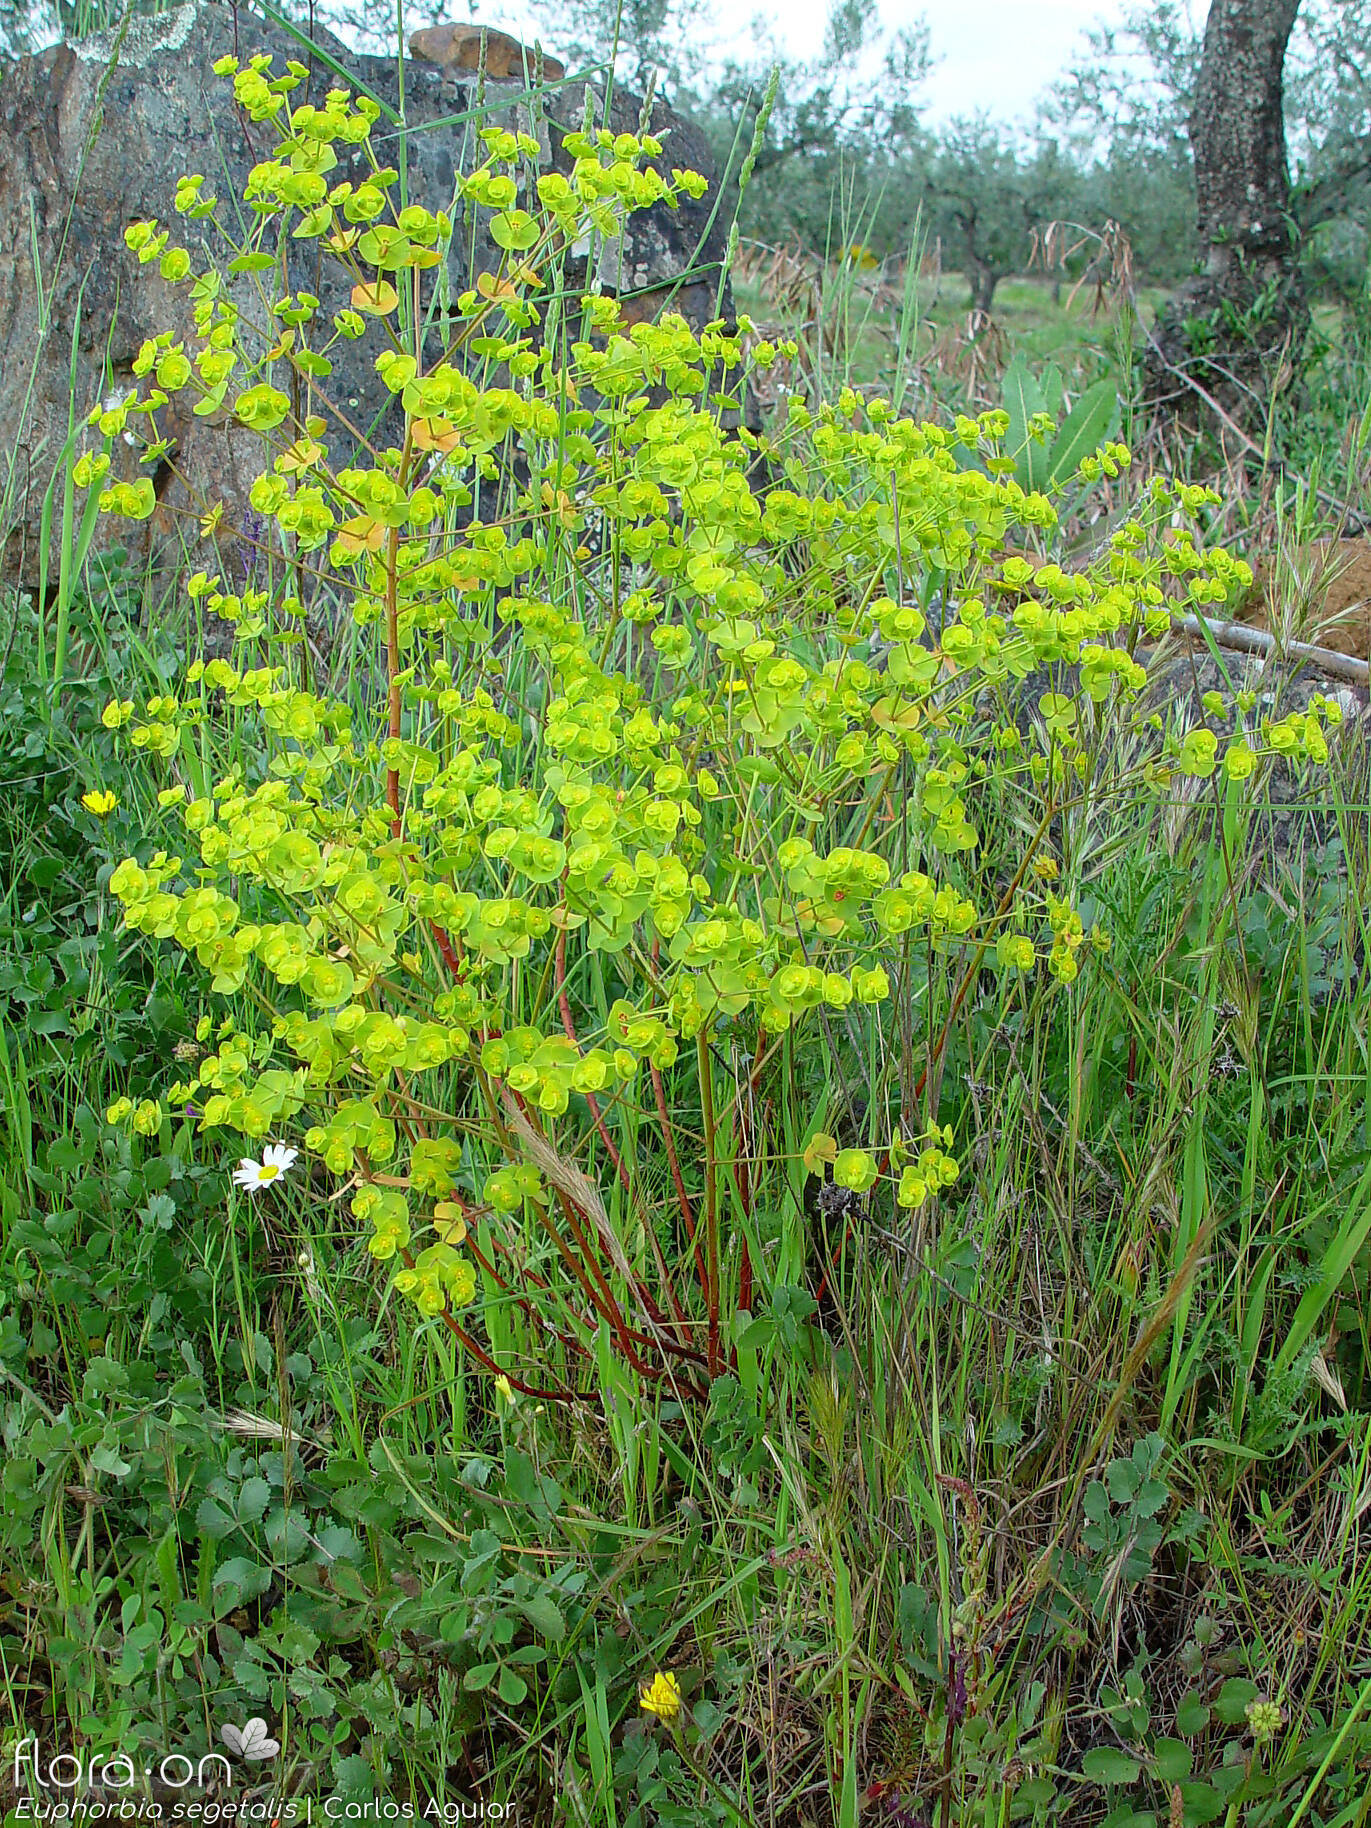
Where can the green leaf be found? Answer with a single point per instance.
(545, 1616)
(1231, 1706)
(1095, 1503)
(347, 1582)
(1090, 421)
(1175, 1760)
(480, 1676)
(240, 1580)
(353, 1776)
(253, 1500)
(1202, 1803)
(213, 1520)
(1192, 1716)
(1151, 1498)
(1104, 1765)
(44, 871)
(1338, 1259)
(1122, 1479)
(1022, 398)
(286, 1533)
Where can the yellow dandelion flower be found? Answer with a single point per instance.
(100, 801)
(661, 1696)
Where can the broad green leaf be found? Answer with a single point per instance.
(1095, 1504)
(1053, 387)
(213, 1520)
(1175, 1760)
(545, 1616)
(1234, 1697)
(1090, 421)
(253, 1500)
(1022, 398)
(1192, 1716)
(1202, 1803)
(1104, 1765)
(1123, 1481)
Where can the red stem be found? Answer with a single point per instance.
(711, 1201)
(683, 1198)
(444, 944)
(522, 1302)
(564, 1004)
(483, 1357)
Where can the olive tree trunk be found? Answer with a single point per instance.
(1235, 328)
(983, 280)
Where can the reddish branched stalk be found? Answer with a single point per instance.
(683, 1198)
(745, 1280)
(669, 1138)
(443, 943)
(464, 1338)
(568, 1024)
(484, 1359)
(601, 1297)
(711, 1203)
(668, 1283)
(603, 1303)
(592, 1103)
(636, 1282)
(628, 1335)
(522, 1302)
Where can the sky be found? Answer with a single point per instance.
(995, 54)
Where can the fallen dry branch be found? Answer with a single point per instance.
(1246, 640)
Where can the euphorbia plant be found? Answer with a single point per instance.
(669, 766)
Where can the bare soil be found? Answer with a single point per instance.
(1321, 593)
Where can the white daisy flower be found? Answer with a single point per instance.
(276, 1161)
